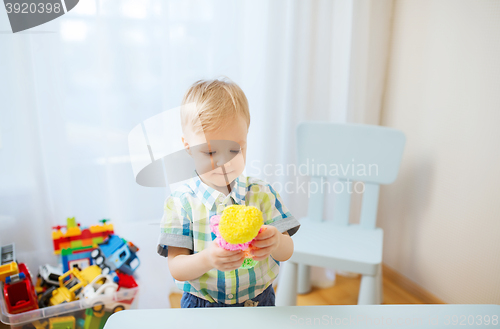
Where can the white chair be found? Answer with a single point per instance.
(336, 244)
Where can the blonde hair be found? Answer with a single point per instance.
(215, 102)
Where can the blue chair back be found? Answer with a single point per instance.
(352, 153)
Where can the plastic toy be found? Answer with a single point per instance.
(40, 324)
(100, 289)
(125, 281)
(62, 322)
(8, 270)
(71, 284)
(8, 265)
(8, 254)
(237, 228)
(90, 273)
(75, 245)
(19, 292)
(76, 257)
(116, 253)
(114, 306)
(95, 319)
(80, 323)
(49, 276)
(74, 237)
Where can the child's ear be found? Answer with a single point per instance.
(186, 145)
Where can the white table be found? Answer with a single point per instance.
(338, 316)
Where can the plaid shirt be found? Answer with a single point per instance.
(186, 224)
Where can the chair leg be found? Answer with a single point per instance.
(304, 277)
(286, 294)
(368, 291)
(380, 286)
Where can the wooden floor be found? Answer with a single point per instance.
(344, 292)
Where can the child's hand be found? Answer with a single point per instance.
(266, 242)
(222, 259)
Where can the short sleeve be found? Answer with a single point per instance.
(175, 227)
(275, 213)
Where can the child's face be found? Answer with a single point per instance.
(220, 156)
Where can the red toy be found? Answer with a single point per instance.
(125, 281)
(19, 292)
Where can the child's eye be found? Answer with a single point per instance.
(211, 153)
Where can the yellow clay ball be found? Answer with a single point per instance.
(240, 224)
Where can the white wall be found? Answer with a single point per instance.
(441, 217)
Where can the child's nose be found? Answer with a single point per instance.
(222, 163)
(224, 159)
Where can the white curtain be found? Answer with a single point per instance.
(72, 89)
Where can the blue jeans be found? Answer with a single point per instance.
(266, 298)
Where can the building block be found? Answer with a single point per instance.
(8, 270)
(7, 254)
(76, 237)
(76, 244)
(97, 240)
(62, 322)
(95, 319)
(40, 324)
(8, 265)
(72, 257)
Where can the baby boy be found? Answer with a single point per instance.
(215, 120)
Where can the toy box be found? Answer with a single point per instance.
(73, 315)
(81, 292)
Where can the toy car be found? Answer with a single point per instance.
(67, 291)
(101, 288)
(71, 284)
(50, 275)
(99, 308)
(116, 253)
(19, 292)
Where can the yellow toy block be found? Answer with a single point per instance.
(73, 231)
(40, 324)
(101, 228)
(90, 273)
(57, 234)
(8, 270)
(62, 322)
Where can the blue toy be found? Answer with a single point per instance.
(116, 254)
